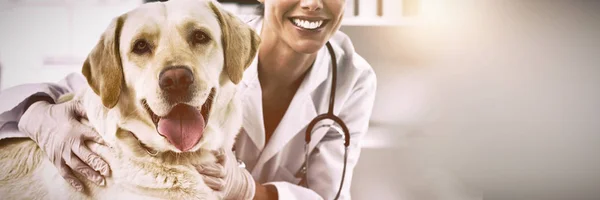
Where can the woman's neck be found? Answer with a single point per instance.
(279, 65)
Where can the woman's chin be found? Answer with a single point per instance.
(308, 46)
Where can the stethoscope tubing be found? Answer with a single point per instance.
(329, 115)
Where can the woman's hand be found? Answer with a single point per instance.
(56, 128)
(226, 177)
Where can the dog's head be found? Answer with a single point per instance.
(169, 70)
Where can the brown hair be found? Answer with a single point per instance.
(260, 9)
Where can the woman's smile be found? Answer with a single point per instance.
(302, 25)
(311, 24)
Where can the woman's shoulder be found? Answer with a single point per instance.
(254, 21)
(350, 61)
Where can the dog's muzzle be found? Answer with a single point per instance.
(184, 125)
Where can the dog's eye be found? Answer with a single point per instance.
(141, 47)
(199, 37)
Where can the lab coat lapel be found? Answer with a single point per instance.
(301, 111)
(252, 105)
(297, 117)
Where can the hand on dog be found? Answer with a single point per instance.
(57, 130)
(227, 178)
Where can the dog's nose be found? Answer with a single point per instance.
(175, 79)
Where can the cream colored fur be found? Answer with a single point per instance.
(26, 172)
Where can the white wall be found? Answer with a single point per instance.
(42, 41)
(486, 99)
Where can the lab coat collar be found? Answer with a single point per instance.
(251, 95)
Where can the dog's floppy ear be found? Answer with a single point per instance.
(102, 68)
(240, 43)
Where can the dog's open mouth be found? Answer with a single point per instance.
(184, 125)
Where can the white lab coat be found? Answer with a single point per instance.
(279, 162)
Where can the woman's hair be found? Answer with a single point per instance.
(260, 9)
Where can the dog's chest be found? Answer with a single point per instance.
(128, 192)
(135, 179)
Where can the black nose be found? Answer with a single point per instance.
(175, 79)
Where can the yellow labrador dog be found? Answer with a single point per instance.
(162, 95)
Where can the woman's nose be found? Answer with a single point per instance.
(311, 5)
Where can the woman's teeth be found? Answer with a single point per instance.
(308, 24)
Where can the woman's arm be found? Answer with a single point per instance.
(29, 111)
(16, 100)
(265, 192)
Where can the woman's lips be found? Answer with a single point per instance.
(310, 24)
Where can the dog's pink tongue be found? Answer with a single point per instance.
(183, 127)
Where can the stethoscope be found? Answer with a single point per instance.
(341, 128)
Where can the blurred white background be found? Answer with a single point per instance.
(476, 99)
